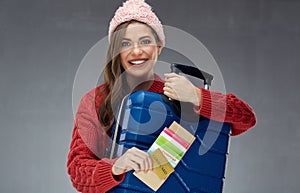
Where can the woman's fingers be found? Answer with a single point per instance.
(171, 75)
(180, 88)
(132, 165)
(171, 85)
(142, 159)
(169, 92)
(133, 158)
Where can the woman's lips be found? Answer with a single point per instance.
(137, 61)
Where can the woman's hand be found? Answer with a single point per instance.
(132, 159)
(180, 88)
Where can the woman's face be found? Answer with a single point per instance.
(139, 51)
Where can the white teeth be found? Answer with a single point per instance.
(138, 62)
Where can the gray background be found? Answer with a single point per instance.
(255, 42)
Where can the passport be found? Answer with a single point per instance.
(166, 152)
(161, 166)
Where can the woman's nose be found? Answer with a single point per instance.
(136, 49)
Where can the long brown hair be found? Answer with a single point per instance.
(114, 86)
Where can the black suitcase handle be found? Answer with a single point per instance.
(192, 71)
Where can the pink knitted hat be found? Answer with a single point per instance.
(140, 11)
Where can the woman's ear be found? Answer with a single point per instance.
(159, 49)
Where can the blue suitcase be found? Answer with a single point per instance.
(143, 115)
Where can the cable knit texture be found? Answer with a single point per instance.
(90, 172)
(227, 108)
(140, 11)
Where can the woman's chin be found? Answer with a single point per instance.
(140, 71)
(138, 74)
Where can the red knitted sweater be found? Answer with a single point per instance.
(91, 173)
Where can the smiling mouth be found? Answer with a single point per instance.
(138, 62)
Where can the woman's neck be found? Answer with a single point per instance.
(142, 83)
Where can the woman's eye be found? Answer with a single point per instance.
(146, 42)
(125, 44)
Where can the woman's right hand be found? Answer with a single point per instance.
(133, 159)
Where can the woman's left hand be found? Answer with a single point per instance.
(180, 88)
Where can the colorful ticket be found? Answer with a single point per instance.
(170, 147)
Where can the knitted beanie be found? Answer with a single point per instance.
(140, 11)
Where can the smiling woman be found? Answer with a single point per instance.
(136, 38)
(139, 52)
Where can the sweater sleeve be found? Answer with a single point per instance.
(89, 171)
(227, 108)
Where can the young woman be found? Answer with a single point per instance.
(136, 39)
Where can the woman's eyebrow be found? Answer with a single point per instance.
(141, 38)
(126, 39)
(144, 37)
